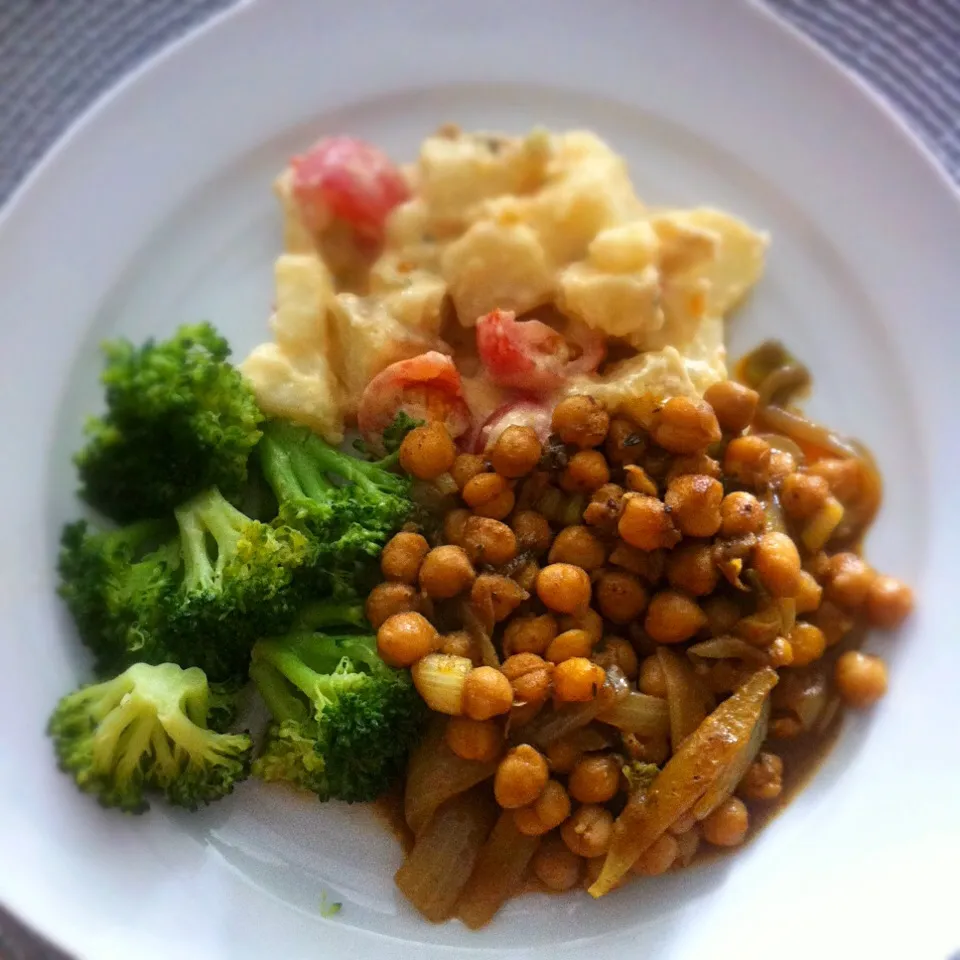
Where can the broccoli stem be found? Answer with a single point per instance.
(291, 474)
(276, 693)
(323, 613)
(209, 513)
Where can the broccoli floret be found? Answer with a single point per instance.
(343, 721)
(402, 424)
(145, 731)
(179, 419)
(350, 507)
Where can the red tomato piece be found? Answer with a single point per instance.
(530, 355)
(519, 412)
(426, 387)
(347, 178)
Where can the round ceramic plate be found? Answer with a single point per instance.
(156, 210)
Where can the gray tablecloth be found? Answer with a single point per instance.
(57, 56)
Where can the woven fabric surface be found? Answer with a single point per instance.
(58, 56)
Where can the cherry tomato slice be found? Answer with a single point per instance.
(519, 412)
(532, 356)
(426, 387)
(347, 178)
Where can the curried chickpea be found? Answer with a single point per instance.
(777, 562)
(454, 523)
(520, 778)
(570, 643)
(588, 831)
(486, 693)
(405, 638)
(861, 678)
(386, 599)
(727, 825)
(427, 451)
(639, 481)
(658, 858)
(809, 593)
(646, 523)
(581, 421)
(516, 452)
(782, 465)
(848, 582)
(466, 467)
(549, 810)
(532, 531)
(651, 681)
(889, 602)
(722, 615)
(834, 622)
(747, 460)
(595, 778)
(807, 642)
(696, 463)
(460, 644)
(803, 494)
(577, 680)
(489, 495)
(691, 568)
(685, 426)
(620, 596)
(496, 597)
(733, 403)
(489, 541)
(564, 588)
(480, 740)
(694, 504)
(617, 652)
(585, 472)
(763, 779)
(844, 477)
(673, 617)
(741, 513)
(529, 676)
(580, 546)
(625, 442)
(529, 634)
(445, 572)
(402, 555)
(556, 866)
(589, 620)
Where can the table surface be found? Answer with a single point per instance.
(58, 56)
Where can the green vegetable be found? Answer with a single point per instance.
(640, 775)
(343, 721)
(402, 424)
(146, 731)
(179, 419)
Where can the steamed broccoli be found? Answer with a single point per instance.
(179, 419)
(145, 731)
(343, 721)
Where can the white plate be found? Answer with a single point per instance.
(156, 210)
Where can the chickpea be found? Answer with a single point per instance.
(486, 693)
(595, 778)
(460, 644)
(747, 460)
(570, 643)
(445, 572)
(466, 467)
(639, 481)
(844, 477)
(549, 810)
(889, 602)
(646, 523)
(741, 513)
(580, 420)
(694, 504)
(589, 621)
(809, 594)
(480, 740)
(489, 495)
(686, 426)
(489, 541)
(604, 509)
(564, 588)
(526, 576)
(834, 622)
(529, 634)
(697, 463)
(861, 678)
(496, 596)
(722, 615)
(733, 403)
(577, 680)
(386, 599)
(585, 472)
(588, 831)
(405, 638)
(401, 557)
(532, 531)
(555, 866)
(691, 568)
(803, 494)
(658, 858)
(617, 652)
(520, 778)
(673, 617)
(727, 825)
(529, 676)
(808, 643)
(782, 465)
(620, 596)
(516, 452)
(848, 581)
(764, 778)
(625, 443)
(427, 451)
(454, 523)
(777, 563)
(580, 546)
(780, 653)
(652, 681)
(649, 565)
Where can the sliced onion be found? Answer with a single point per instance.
(722, 648)
(640, 714)
(799, 428)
